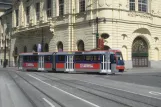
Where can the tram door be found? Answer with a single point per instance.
(104, 64)
(113, 63)
(20, 63)
(69, 63)
(41, 63)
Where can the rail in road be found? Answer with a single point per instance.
(82, 101)
(33, 101)
(45, 90)
(100, 91)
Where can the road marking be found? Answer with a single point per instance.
(154, 93)
(65, 91)
(48, 102)
(118, 89)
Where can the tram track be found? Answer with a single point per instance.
(27, 96)
(92, 89)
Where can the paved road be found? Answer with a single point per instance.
(149, 79)
(37, 89)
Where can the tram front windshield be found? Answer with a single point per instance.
(119, 56)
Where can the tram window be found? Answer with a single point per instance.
(61, 57)
(92, 58)
(35, 58)
(78, 57)
(88, 58)
(119, 55)
(118, 58)
(25, 58)
(96, 58)
(47, 58)
(30, 58)
(112, 58)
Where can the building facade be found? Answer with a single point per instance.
(133, 26)
(5, 31)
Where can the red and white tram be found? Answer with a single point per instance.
(86, 61)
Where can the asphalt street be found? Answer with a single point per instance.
(148, 79)
(39, 89)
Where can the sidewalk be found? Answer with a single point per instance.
(142, 70)
(13, 68)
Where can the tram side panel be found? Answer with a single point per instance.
(20, 62)
(87, 63)
(60, 62)
(30, 62)
(48, 62)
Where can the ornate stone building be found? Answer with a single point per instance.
(5, 30)
(133, 26)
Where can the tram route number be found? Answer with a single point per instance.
(86, 65)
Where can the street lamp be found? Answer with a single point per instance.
(97, 34)
(5, 48)
(42, 41)
(4, 62)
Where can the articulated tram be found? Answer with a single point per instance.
(86, 61)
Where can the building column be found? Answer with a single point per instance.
(43, 16)
(71, 17)
(54, 9)
(21, 21)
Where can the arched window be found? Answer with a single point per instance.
(82, 6)
(35, 48)
(140, 53)
(25, 49)
(143, 5)
(46, 48)
(60, 46)
(15, 56)
(80, 45)
(132, 5)
(16, 51)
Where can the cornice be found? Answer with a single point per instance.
(124, 10)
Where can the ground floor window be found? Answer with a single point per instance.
(46, 48)
(60, 46)
(35, 48)
(80, 45)
(140, 53)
